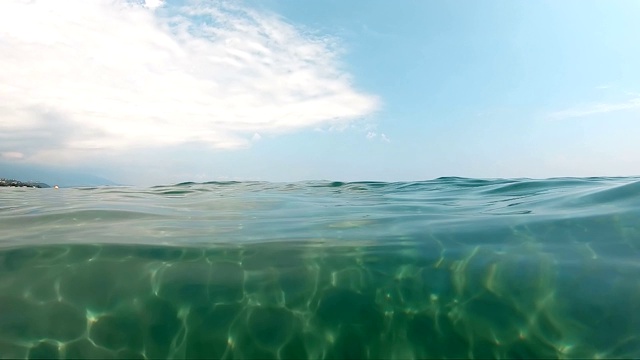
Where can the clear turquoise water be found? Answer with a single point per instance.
(448, 268)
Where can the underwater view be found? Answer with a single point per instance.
(446, 268)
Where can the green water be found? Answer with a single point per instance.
(448, 268)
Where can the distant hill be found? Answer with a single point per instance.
(52, 176)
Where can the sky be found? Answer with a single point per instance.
(156, 92)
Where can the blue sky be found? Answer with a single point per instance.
(161, 92)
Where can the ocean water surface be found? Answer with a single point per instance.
(447, 268)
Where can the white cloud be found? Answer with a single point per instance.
(594, 109)
(11, 155)
(153, 4)
(82, 75)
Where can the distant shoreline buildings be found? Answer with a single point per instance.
(16, 183)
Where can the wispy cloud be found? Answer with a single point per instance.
(371, 135)
(11, 155)
(82, 75)
(595, 108)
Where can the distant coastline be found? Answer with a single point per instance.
(16, 183)
(35, 174)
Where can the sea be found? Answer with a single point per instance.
(446, 268)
